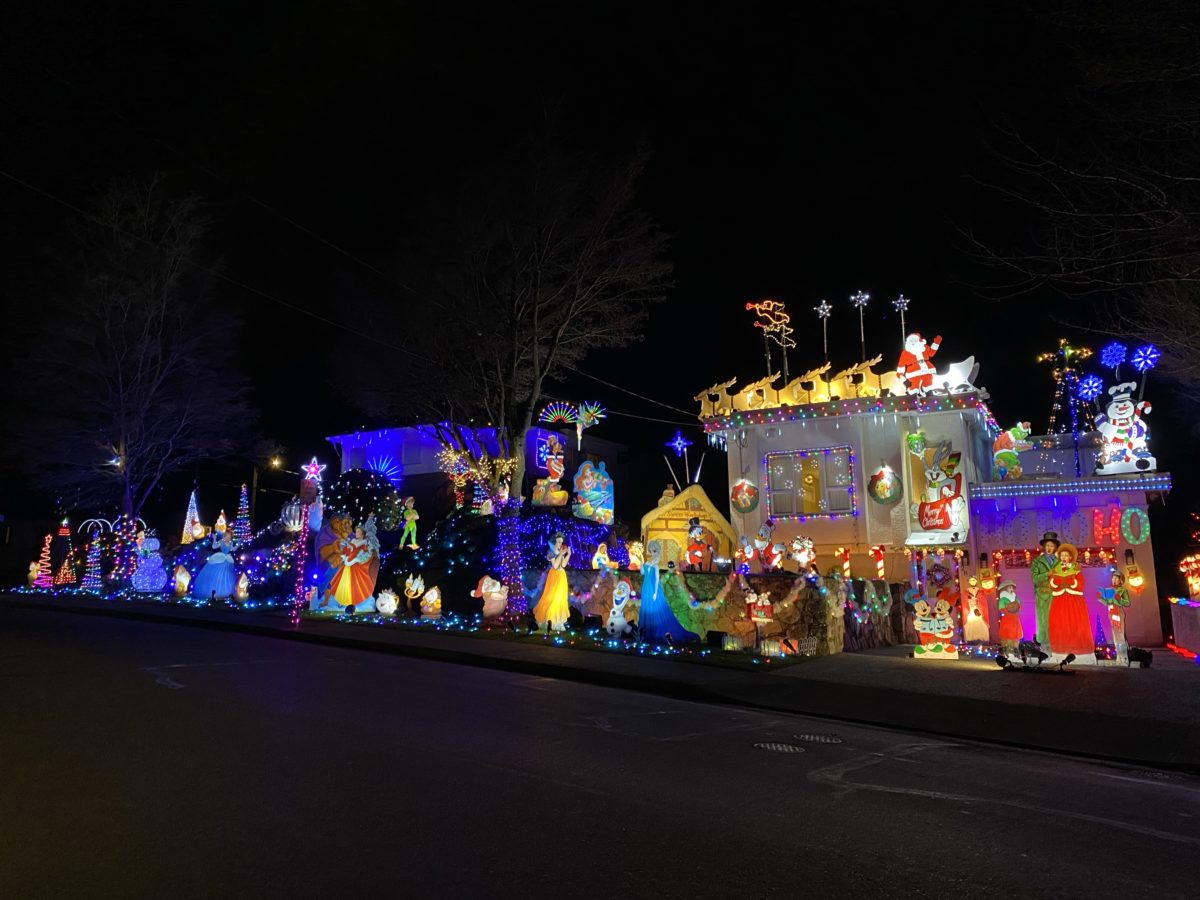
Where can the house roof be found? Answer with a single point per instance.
(691, 492)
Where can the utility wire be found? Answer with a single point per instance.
(617, 387)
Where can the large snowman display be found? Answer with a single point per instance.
(150, 575)
(1126, 437)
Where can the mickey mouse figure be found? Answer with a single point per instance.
(1126, 437)
(693, 556)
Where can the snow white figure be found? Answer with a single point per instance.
(656, 620)
(552, 606)
(218, 578)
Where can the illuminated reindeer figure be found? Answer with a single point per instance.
(722, 405)
(847, 381)
(800, 390)
(758, 394)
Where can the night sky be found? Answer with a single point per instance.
(799, 156)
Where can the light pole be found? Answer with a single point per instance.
(275, 463)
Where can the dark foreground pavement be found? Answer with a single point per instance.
(1143, 716)
(155, 761)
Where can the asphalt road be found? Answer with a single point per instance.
(146, 760)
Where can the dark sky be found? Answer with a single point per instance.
(799, 155)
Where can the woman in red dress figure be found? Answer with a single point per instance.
(1068, 628)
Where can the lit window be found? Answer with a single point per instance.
(810, 482)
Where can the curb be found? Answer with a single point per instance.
(647, 685)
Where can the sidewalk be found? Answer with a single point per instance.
(1143, 717)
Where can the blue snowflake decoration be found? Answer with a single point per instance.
(679, 443)
(1090, 387)
(1146, 357)
(1113, 355)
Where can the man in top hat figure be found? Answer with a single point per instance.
(1039, 572)
(693, 557)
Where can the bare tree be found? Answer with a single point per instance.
(542, 264)
(1116, 198)
(133, 365)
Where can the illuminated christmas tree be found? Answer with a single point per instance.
(124, 551)
(1069, 414)
(91, 572)
(190, 520)
(66, 572)
(241, 523)
(44, 578)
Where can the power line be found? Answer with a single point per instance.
(617, 387)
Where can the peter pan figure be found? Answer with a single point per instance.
(1039, 572)
(410, 524)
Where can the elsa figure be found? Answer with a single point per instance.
(218, 578)
(656, 619)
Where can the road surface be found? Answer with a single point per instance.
(145, 760)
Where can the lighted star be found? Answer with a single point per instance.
(859, 300)
(823, 309)
(679, 444)
(900, 304)
(313, 470)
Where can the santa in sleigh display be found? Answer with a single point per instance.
(914, 368)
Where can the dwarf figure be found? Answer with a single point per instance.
(914, 368)
(493, 594)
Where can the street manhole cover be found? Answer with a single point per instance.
(817, 738)
(779, 748)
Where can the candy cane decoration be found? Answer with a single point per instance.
(844, 555)
(877, 552)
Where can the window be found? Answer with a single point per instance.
(804, 483)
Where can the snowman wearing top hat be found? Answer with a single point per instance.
(1126, 447)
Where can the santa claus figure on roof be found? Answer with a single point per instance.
(914, 368)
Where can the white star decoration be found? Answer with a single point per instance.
(313, 470)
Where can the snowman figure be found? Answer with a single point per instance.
(1126, 437)
(150, 575)
(617, 625)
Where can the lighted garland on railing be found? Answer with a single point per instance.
(930, 403)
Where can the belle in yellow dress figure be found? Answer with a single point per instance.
(552, 606)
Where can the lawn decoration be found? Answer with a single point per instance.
(617, 624)
(150, 576)
(1126, 437)
(547, 491)
(387, 602)
(593, 493)
(1005, 449)
(494, 596)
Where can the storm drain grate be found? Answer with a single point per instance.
(779, 748)
(817, 738)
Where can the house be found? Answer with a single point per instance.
(899, 486)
